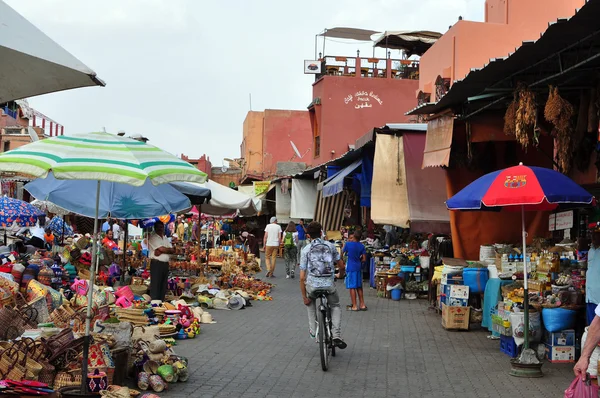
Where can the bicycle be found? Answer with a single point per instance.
(324, 326)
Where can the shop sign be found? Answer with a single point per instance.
(261, 187)
(362, 99)
(560, 221)
(312, 67)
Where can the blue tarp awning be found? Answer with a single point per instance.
(335, 184)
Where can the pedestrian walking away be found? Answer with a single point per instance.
(272, 242)
(301, 230)
(357, 254)
(317, 273)
(290, 252)
(159, 251)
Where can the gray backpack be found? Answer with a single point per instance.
(320, 260)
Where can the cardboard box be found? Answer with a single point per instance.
(455, 317)
(560, 354)
(447, 279)
(562, 338)
(461, 292)
(455, 295)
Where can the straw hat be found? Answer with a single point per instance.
(236, 302)
(205, 302)
(220, 303)
(242, 293)
(112, 392)
(206, 318)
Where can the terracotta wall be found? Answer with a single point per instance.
(470, 44)
(252, 144)
(342, 120)
(280, 128)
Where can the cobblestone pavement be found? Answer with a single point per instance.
(394, 349)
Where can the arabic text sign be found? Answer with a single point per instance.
(363, 99)
(261, 187)
(560, 221)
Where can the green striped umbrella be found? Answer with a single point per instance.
(99, 156)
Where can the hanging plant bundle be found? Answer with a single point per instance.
(560, 112)
(509, 118)
(525, 118)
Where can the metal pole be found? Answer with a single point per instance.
(125, 251)
(525, 288)
(88, 317)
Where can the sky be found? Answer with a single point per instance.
(180, 72)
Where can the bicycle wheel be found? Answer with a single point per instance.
(323, 340)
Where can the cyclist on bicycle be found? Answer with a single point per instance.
(317, 273)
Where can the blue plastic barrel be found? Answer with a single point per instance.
(476, 279)
(396, 294)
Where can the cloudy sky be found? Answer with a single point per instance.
(180, 71)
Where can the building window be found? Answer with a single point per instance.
(316, 134)
(6, 146)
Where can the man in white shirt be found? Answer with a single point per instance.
(116, 228)
(271, 242)
(159, 251)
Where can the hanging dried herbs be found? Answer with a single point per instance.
(526, 115)
(510, 118)
(560, 112)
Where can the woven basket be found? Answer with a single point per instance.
(68, 378)
(10, 368)
(82, 242)
(41, 307)
(138, 290)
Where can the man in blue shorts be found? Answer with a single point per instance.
(356, 255)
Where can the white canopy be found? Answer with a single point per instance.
(33, 64)
(225, 200)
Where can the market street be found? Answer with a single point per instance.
(394, 349)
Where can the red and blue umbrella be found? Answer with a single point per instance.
(535, 188)
(521, 188)
(15, 210)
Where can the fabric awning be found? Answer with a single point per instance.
(438, 142)
(335, 184)
(413, 42)
(349, 33)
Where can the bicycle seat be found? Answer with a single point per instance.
(320, 292)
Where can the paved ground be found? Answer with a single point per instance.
(394, 349)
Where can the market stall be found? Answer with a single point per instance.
(540, 281)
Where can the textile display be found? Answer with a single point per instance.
(366, 179)
(389, 181)
(426, 187)
(283, 205)
(330, 211)
(304, 199)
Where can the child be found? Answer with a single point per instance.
(356, 255)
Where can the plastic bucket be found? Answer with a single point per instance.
(476, 279)
(396, 294)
